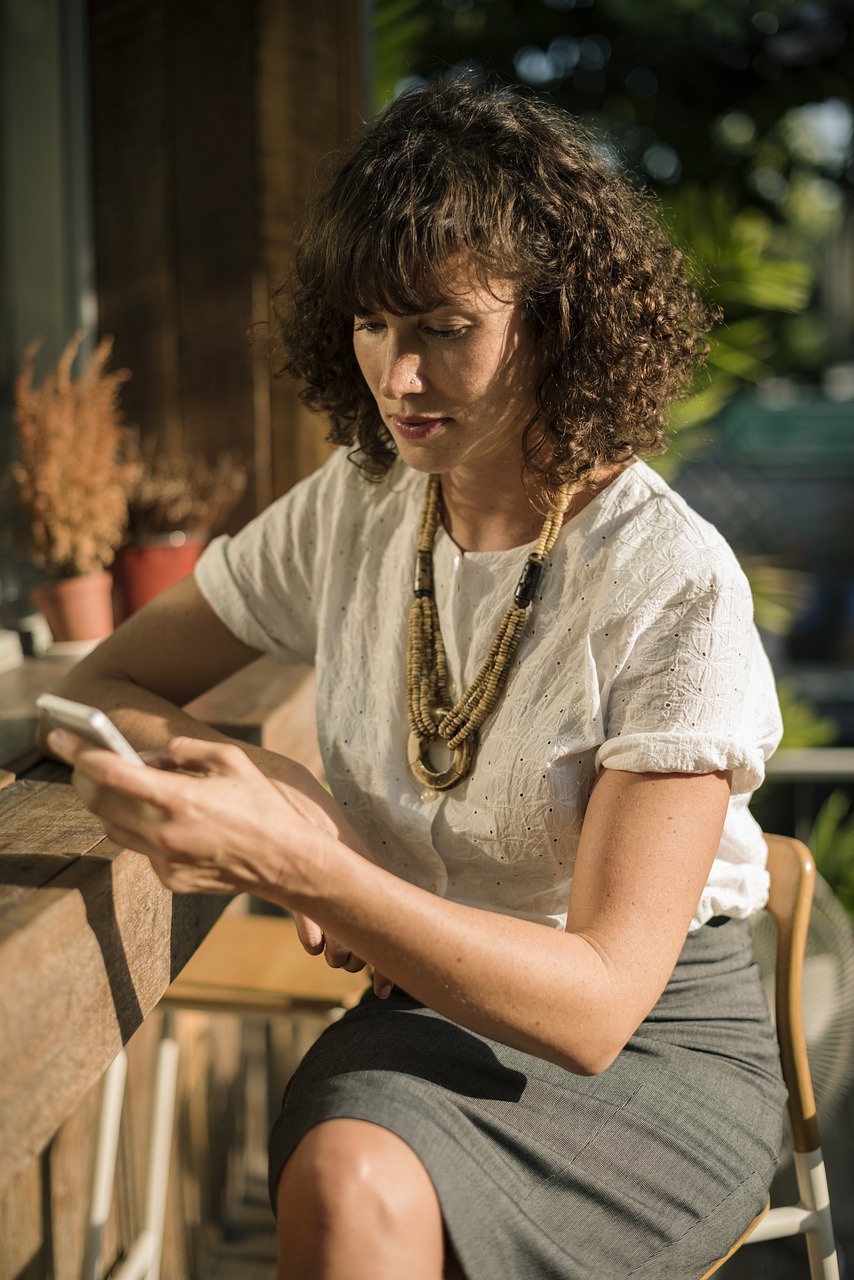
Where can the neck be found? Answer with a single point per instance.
(489, 517)
(481, 517)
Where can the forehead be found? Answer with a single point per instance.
(457, 284)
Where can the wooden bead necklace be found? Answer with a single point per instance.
(431, 713)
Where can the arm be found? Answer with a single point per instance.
(573, 998)
(161, 658)
(158, 660)
(576, 997)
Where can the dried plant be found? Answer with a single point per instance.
(182, 492)
(73, 475)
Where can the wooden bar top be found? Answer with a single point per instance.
(89, 937)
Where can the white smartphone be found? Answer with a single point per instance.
(90, 723)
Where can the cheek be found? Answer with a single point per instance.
(490, 376)
(367, 364)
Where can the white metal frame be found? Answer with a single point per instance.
(143, 1258)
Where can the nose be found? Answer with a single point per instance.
(402, 373)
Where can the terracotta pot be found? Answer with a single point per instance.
(76, 608)
(143, 569)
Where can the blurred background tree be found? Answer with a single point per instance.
(736, 112)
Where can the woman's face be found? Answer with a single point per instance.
(455, 386)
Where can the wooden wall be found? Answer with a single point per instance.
(209, 118)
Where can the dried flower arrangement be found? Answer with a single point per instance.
(181, 492)
(74, 474)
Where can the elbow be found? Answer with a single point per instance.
(595, 1059)
(593, 1053)
(580, 1062)
(596, 1063)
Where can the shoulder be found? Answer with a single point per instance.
(657, 547)
(336, 494)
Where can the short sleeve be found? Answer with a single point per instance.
(695, 693)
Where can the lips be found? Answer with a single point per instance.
(417, 428)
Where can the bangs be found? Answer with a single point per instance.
(391, 273)
(399, 230)
(395, 278)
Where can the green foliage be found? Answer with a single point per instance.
(802, 728)
(779, 594)
(747, 266)
(399, 26)
(739, 113)
(832, 845)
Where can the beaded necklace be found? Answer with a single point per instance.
(431, 713)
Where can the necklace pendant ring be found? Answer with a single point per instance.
(441, 780)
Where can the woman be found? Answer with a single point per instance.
(541, 754)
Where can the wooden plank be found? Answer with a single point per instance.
(299, 63)
(133, 179)
(812, 764)
(82, 962)
(211, 47)
(43, 830)
(25, 1252)
(269, 704)
(257, 962)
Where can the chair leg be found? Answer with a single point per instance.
(812, 1187)
(143, 1259)
(104, 1171)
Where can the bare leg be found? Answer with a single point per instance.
(356, 1203)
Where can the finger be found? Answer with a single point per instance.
(198, 755)
(310, 934)
(132, 838)
(340, 957)
(66, 745)
(382, 985)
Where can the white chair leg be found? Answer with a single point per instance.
(812, 1187)
(104, 1171)
(143, 1259)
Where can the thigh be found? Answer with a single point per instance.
(543, 1173)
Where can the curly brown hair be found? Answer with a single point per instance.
(520, 190)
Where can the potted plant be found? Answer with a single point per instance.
(72, 478)
(176, 502)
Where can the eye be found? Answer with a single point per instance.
(367, 326)
(444, 333)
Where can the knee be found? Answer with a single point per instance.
(352, 1176)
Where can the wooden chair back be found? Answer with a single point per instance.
(792, 883)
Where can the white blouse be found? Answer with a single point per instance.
(640, 654)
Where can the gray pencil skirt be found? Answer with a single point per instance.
(650, 1169)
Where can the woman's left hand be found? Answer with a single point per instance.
(316, 943)
(208, 819)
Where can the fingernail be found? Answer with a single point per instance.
(385, 990)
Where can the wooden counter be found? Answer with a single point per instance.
(89, 938)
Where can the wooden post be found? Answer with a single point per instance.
(209, 121)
